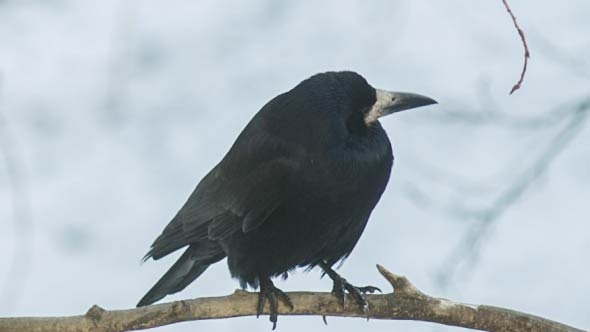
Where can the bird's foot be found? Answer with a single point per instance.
(341, 287)
(269, 292)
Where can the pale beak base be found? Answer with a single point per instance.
(391, 102)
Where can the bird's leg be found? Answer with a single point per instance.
(341, 286)
(273, 294)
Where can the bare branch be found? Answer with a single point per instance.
(571, 118)
(405, 303)
(527, 54)
(487, 217)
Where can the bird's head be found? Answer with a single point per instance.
(328, 108)
(348, 95)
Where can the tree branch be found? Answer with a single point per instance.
(527, 53)
(405, 303)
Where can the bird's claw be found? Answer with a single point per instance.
(341, 287)
(269, 292)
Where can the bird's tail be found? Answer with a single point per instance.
(186, 269)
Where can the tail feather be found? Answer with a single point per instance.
(186, 269)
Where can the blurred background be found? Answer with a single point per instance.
(112, 111)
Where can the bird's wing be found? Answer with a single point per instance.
(239, 194)
(230, 200)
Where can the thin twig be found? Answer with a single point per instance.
(527, 53)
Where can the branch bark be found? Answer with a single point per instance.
(405, 303)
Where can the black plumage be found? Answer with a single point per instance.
(296, 189)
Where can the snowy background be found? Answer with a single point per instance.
(112, 111)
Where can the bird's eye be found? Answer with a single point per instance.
(393, 98)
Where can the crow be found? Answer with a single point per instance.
(296, 189)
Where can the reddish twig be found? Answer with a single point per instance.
(527, 54)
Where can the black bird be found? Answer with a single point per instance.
(296, 189)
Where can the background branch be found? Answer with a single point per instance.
(405, 303)
(564, 124)
(469, 248)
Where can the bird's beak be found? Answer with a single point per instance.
(390, 102)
